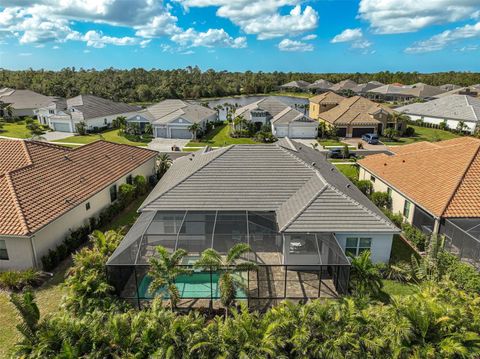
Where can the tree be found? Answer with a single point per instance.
(2, 124)
(211, 260)
(164, 269)
(391, 133)
(36, 131)
(381, 200)
(163, 164)
(194, 128)
(345, 151)
(30, 315)
(365, 278)
(81, 128)
(119, 122)
(398, 117)
(461, 127)
(365, 186)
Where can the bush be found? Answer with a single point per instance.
(396, 218)
(17, 280)
(126, 193)
(409, 132)
(381, 200)
(265, 137)
(365, 186)
(464, 275)
(415, 236)
(141, 185)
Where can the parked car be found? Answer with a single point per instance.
(371, 138)
(338, 153)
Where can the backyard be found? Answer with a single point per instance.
(218, 137)
(15, 130)
(422, 134)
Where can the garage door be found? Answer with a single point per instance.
(61, 127)
(181, 133)
(304, 132)
(342, 132)
(161, 132)
(359, 132)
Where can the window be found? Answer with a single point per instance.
(113, 193)
(104, 121)
(3, 250)
(406, 209)
(372, 178)
(51, 112)
(87, 206)
(357, 245)
(389, 192)
(129, 179)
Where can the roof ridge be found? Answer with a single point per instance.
(27, 153)
(18, 207)
(460, 181)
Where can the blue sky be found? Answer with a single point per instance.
(240, 35)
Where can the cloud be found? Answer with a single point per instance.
(25, 54)
(209, 38)
(355, 38)
(440, 41)
(98, 40)
(309, 37)
(468, 48)
(294, 46)
(262, 17)
(399, 16)
(161, 25)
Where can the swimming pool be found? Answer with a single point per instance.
(195, 285)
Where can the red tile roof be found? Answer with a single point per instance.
(40, 181)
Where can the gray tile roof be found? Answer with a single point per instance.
(24, 99)
(344, 85)
(416, 90)
(458, 107)
(93, 106)
(297, 84)
(285, 177)
(363, 88)
(169, 110)
(321, 85)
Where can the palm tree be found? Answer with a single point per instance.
(107, 242)
(30, 315)
(164, 269)
(163, 164)
(365, 278)
(194, 128)
(210, 259)
(398, 117)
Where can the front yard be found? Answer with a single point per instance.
(219, 137)
(15, 130)
(423, 134)
(110, 135)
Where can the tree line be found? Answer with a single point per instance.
(141, 85)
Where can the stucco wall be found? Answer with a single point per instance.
(380, 248)
(452, 124)
(19, 253)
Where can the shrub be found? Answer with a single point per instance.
(17, 280)
(381, 199)
(464, 275)
(409, 132)
(81, 128)
(126, 193)
(365, 186)
(415, 236)
(141, 184)
(396, 218)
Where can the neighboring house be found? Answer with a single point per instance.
(323, 102)
(298, 214)
(285, 120)
(56, 107)
(299, 85)
(405, 92)
(97, 113)
(344, 85)
(436, 187)
(451, 110)
(172, 118)
(48, 190)
(449, 87)
(356, 116)
(362, 89)
(473, 91)
(320, 86)
(20, 103)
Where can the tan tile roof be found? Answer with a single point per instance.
(39, 181)
(441, 177)
(327, 97)
(356, 109)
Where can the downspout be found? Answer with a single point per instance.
(34, 252)
(436, 226)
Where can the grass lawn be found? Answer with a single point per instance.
(219, 137)
(334, 160)
(332, 143)
(350, 171)
(111, 135)
(423, 134)
(15, 130)
(393, 287)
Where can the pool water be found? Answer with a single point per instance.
(195, 285)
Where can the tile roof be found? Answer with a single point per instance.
(297, 84)
(344, 85)
(40, 181)
(442, 177)
(169, 110)
(93, 106)
(459, 107)
(24, 99)
(321, 85)
(285, 177)
(363, 88)
(327, 98)
(417, 90)
(354, 110)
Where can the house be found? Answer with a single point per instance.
(95, 112)
(298, 214)
(451, 110)
(405, 92)
(356, 116)
(48, 190)
(20, 103)
(449, 87)
(323, 102)
(436, 187)
(473, 91)
(284, 119)
(362, 89)
(55, 107)
(320, 86)
(298, 85)
(172, 118)
(344, 85)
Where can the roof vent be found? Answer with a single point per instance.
(385, 164)
(67, 158)
(403, 161)
(348, 185)
(332, 169)
(313, 164)
(190, 158)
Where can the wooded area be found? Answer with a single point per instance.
(140, 85)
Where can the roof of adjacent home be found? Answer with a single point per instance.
(441, 177)
(416, 90)
(344, 85)
(363, 88)
(459, 107)
(327, 98)
(24, 99)
(297, 84)
(354, 110)
(306, 191)
(93, 106)
(41, 181)
(169, 110)
(320, 84)
(473, 91)
(280, 112)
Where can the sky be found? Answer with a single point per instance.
(239, 35)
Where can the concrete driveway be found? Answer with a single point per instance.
(165, 144)
(56, 135)
(354, 142)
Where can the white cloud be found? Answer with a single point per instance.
(294, 46)
(25, 54)
(468, 48)
(348, 35)
(209, 38)
(98, 40)
(309, 37)
(398, 16)
(55, 47)
(442, 40)
(161, 25)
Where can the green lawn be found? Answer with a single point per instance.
(350, 171)
(219, 137)
(111, 135)
(332, 143)
(15, 130)
(423, 134)
(397, 288)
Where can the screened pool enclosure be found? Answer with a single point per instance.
(289, 265)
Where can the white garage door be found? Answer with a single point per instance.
(160, 132)
(181, 133)
(281, 131)
(61, 127)
(304, 132)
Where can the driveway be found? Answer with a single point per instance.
(354, 142)
(165, 144)
(56, 135)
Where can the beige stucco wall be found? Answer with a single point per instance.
(398, 199)
(19, 252)
(53, 234)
